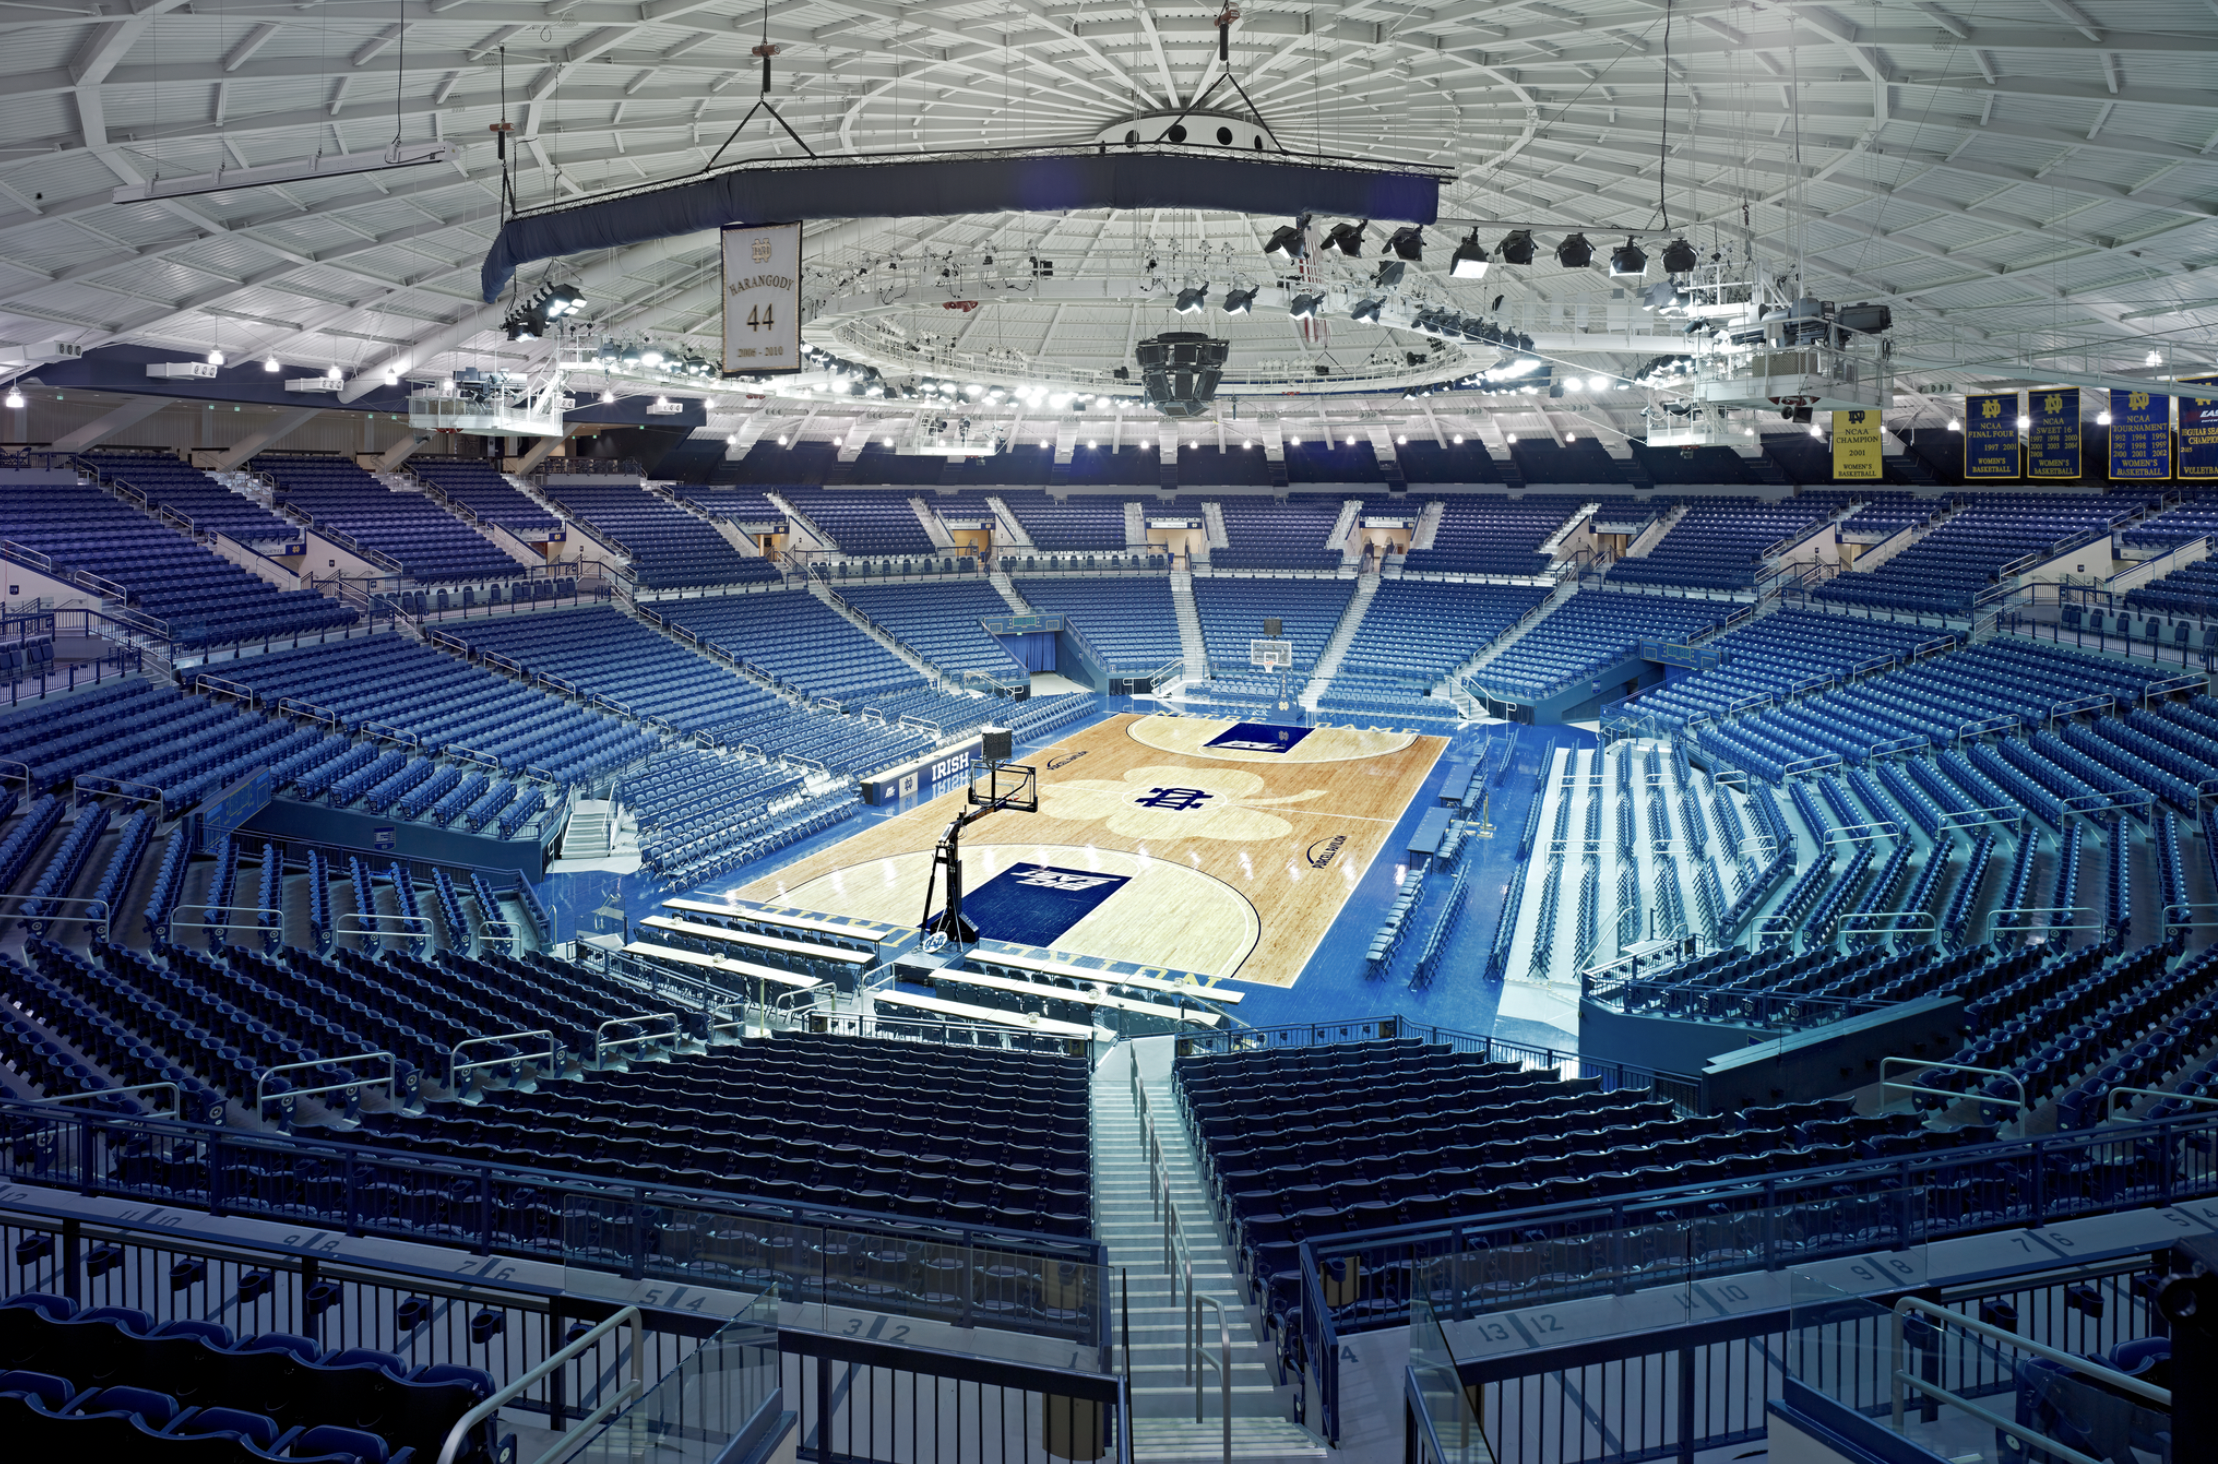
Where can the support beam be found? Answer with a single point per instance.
(543, 448)
(236, 456)
(400, 451)
(134, 411)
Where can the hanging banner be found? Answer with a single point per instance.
(762, 297)
(1856, 444)
(2052, 444)
(2198, 432)
(2140, 435)
(1991, 436)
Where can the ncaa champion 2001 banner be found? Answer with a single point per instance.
(762, 298)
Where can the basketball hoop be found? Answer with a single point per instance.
(1273, 654)
(1006, 785)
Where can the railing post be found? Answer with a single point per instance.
(1686, 1405)
(72, 1255)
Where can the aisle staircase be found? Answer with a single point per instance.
(1190, 642)
(1131, 1228)
(1343, 636)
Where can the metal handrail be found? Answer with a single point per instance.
(262, 1095)
(1197, 1357)
(101, 919)
(633, 1387)
(1994, 918)
(172, 925)
(456, 1067)
(1903, 1378)
(602, 1042)
(2117, 1093)
(369, 919)
(1886, 1082)
(176, 1096)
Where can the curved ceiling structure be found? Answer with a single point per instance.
(2029, 183)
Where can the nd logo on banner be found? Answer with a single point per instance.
(1856, 451)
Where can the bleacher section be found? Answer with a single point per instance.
(799, 640)
(670, 548)
(428, 543)
(863, 522)
(480, 487)
(1777, 654)
(941, 623)
(188, 492)
(1265, 535)
(1130, 620)
(202, 599)
(1232, 611)
(1417, 631)
(1484, 534)
(2190, 520)
(131, 736)
(1946, 570)
(1082, 522)
(1588, 633)
(2192, 591)
(701, 813)
(1717, 544)
(740, 505)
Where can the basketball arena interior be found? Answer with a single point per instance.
(1137, 733)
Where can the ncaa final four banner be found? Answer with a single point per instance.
(1991, 436)
(2198, 432)
(762, 298)
(2140, 435)
(2052, 443)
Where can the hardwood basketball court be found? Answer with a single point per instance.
(1220, 848)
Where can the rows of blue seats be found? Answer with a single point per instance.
(670, 548)
(2188, 521)
(1263, 535)
(1384, 702)
(202, 598)
(1485, 534)
(1132, 621)
(1587, 633)
(428, 542)
(481, 488)
(2192, 590)
(798, 639)
(110, 1382)
(132, 734)
(1233, 608)
(1420, 630)
(940, 622)
(863, 522)
(1080, 522)
(213, 508)
(1776, 654)
(756, 837)
(1945, 571)
(1717, 543)
(740, 505)
(405, 685)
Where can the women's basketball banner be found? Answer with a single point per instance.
(2052, 443)
(1856, 451)
(2198, 432)
(1991, 436)
(2140, 434)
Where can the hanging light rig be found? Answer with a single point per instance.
(500, 131)
(765, 50)
(1223, 22)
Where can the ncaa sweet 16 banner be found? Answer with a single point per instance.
(762, 298)
(2052, 446)
(2198, 432)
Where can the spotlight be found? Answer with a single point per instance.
(1288, 242)
(15, 397)
(1401, 441)
(1193, 301)
(1346, 239)
(215, 358)
(1575, 252)
(269, 363)
(1469, 261)
(633, 356)
(1366, 310)
(2152, 359)
(335, 373)
(522, 327)
(392, 377)
(1302, 307)
(651, 356)
(608, 396)
(1956, 426)
(1390, 273)
(1459, 439)
(563, 300)
(1814, 429)
(1510, 437)
(2102, 419)
(1516, 248)
(1570, 437)
(1407, 243)
(1628, 260)
(1678, 257)
(2024, 421)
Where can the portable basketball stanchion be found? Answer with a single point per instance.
(1021, 795)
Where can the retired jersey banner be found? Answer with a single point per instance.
(2140, 435)
(2052, 443)
(762, 298)
(1991, 436)
(2198, 432)
(1856, 444)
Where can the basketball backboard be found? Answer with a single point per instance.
(1271, 655)
(1004, 785)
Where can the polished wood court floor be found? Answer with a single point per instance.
(1238, 859)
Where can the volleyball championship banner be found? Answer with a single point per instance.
(2052, 445)
(2198, 432)
(1856, 450)
(1991, 436)
(2140, 435)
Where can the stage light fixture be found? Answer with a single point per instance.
(2024, 421)
(1366, 310)
(1288, 242)
(1193, 301)
(651, 356)
(2102, 419)
(1407, 243)
(1516, 248)
(1470, 261)
(608, 396)
(1627, 259)
(1678, 257)
(15, 398)
(1390, 273)
(1302, 307)
(1238, 302)
(563, 300)
(269, 363)
(1346, 239)
(1575, 252)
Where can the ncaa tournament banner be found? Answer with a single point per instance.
(2052, 444)
(2198, 432)
(2140, 435)
(1991, 436)
(1856, 445)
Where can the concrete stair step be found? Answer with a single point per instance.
(1258, 1440)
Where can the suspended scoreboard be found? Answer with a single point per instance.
(762, 298)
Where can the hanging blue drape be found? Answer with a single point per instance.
(1034, 649)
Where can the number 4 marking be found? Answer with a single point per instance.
(768, 320)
